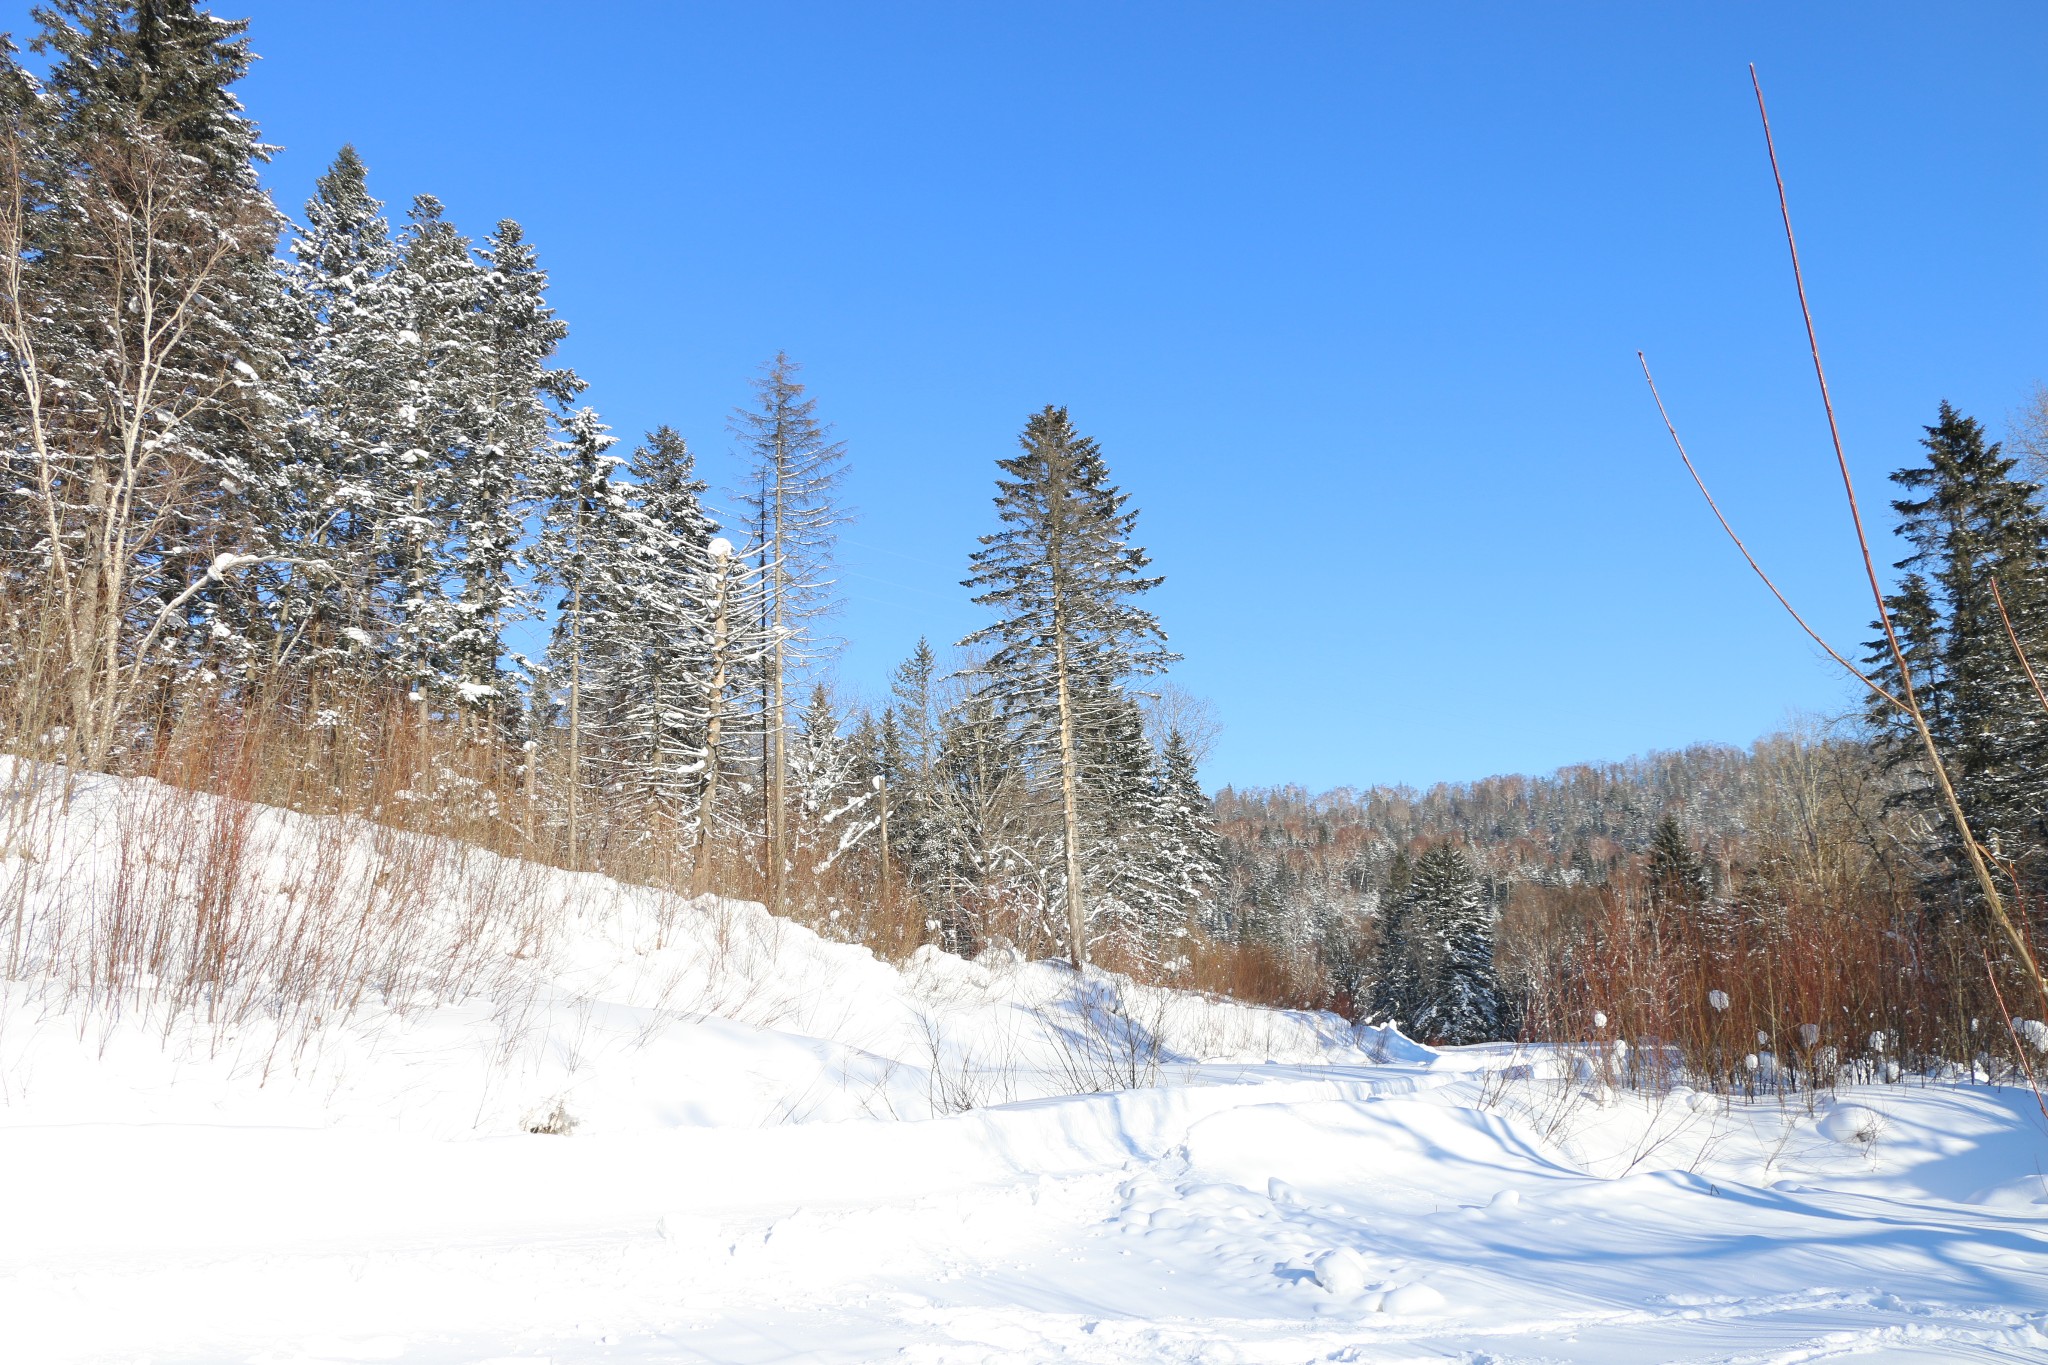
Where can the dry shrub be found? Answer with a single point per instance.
(253, 867)
(1798, 997)
(1252, 972)
(194, 904)
(298, 852)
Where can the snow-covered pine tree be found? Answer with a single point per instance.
(1190, 856)
(1678, 884)
(1397, 987)
(1123, 817)
(794, 510)
(444, 360)
(334, 505)
(1063, 576)
(832, 807)
(1973, 524)
(916, 725)
(27, 155)
(877, 742)
(660, 641)
(733, 651)
(508, 464)
(1447, 933)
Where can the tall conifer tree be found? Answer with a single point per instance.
(335, 505)
(1064, 576)
(1973, 524)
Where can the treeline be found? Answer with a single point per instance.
(1798, 907)
(279, 493)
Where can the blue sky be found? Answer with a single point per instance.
(1350, 293)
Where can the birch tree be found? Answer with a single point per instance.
(138, 303)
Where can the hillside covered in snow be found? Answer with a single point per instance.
(563, 1119)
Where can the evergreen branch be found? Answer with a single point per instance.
(2013, 636)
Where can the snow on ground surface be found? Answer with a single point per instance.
(780, 1149)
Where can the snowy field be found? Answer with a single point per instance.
(767, 1147)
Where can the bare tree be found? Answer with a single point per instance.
(794, 510)
(2030, 435)
(118, 263)
(1169, 707)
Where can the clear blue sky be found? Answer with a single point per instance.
(1350, 293)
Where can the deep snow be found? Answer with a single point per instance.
(782, 1149)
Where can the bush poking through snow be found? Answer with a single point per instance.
(1852, 1125)
(556, 1122)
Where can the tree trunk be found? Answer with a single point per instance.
(575, 722)
(1077, 909)
(882, 795)
(778, 774)
(700, 871)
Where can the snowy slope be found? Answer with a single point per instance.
(782, 1149)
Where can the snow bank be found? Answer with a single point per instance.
(544, 1116)
(504, 997)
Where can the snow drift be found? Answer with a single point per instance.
(288, 1089)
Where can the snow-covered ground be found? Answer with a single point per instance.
(778, 1148)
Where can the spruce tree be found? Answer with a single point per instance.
(731, 650)
(1397, 988)
(443, 361)
(1678, 878)
(1124, 825)
(1434, 971)
(913, 728)
(1064, 577)
(1973, 524)
(662, 635)
(1448, 932)
(1190, 858)
(508, 463)
(832, 807)
(335, 505)
(990, 821)
(579, 551)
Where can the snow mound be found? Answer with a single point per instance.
(1342, 1271)
(1413, 1299)
(1852, 1125)
(2027, 1192)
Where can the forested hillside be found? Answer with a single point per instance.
(285, 489)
